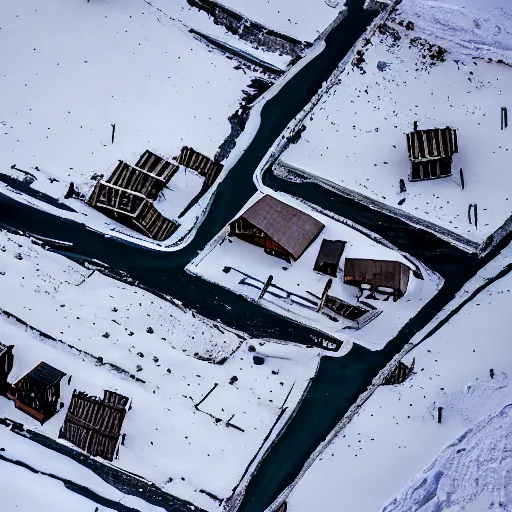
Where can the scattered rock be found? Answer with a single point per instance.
(233, 379)
(258, 360)
(150, 330)
(106, 335)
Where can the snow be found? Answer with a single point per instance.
(302, 20)
(473, 473)
(370, 111)
(168, 441)
(47, 494)
(89, 65)
(395, 434)
(250, 268)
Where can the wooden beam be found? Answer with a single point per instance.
(266, 287)
(324, 295)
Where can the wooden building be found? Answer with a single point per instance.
(38, 392)
(133, 210)
(6, 364)
(388, 277)
(329, 256)
(200, 163)
(282, 230)
(93, 424)
(431, 153)
(127, 195)
(143, 181)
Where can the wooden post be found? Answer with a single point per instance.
(502, 118)
(439, 414)
(505, 115)
(415, 126)
(469, 213)
(403, 188)
(266, 287)
(475, 210)
(324, 294)
(113, 132)
(461, 178)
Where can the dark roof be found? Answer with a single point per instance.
(330, 252)
(386, 273)
(432, 144)
(45, 375)
(292, 229)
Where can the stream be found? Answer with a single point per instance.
(340, 380)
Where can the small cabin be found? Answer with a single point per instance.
(6, 364)
(280, 229)
(93, 424)
(390, 278)
(38, 392)
(431, 153)
(329, 256)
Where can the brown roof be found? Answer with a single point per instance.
(392, 274)
(292, 229)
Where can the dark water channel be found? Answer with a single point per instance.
(339, 381)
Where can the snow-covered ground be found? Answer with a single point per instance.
(23, 490)
(107, 331)
(250, 268)
(395, 434)
(302, 20)
(87, 65)
(355, 137)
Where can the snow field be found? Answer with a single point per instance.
(370, 111)
(168, 441)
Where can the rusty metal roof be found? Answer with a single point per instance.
(292, 229)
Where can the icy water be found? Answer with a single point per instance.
(339, 381)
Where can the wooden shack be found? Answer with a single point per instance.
(6, 364)
(38, 392)
(200, 163)
(431, 153)
(93, 424)
(378, 275)
(133, 210)
(143, 181)
(329, 256)
(282, 230)
(127, 195)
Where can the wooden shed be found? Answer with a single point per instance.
(329, 256)
(379, 275)
(93, 424)
(143, 181)
(38, 392)
(132, 209)
(200, 163)
(282, 230)
(6, 364)
(431, 152)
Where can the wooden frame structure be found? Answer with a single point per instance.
(431, 153)
(38, 392)
(93, 424)
(6, 364)
(280, 229)
(200, 163)
(128, 195)
(329, 256)
(377, 275)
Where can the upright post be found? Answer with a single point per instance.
(324, 294)
(461, 179)
(266, 287)
(113, 132)
(439, 414)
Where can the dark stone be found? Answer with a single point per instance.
(251, 348)
(150, 330)
(106, 335)
(140, 354)
(258, 360)
(233, 379)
